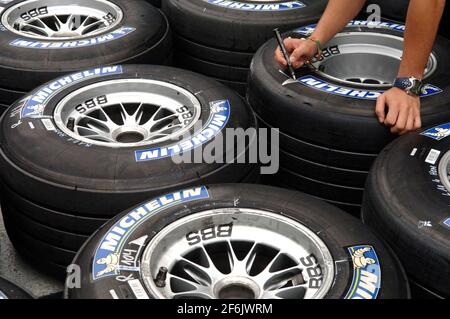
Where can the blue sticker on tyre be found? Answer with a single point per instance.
(220, 114)
(245, 6)
(107, 260)
(446, 222)
(36, 103)
(438, 133)
(327, 87)
(366, 281)
(307, 30)
(33, 44)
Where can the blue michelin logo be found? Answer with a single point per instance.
(114, 35)
(327, 87)
(438, 133)
(106, 260)
(366, 273)
(220, 114)
(35, 106)
(307, 30)
(447, 222)
(236, 5)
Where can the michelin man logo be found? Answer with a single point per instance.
(361, 261)
(439, 132)
(218, 107)
(366, 273)
(35, 110)
(111, 262)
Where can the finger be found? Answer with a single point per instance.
(402, 119)
(290, 44)
(417, 121)
(279, 57)
(391, 117)
(380, 109)
(297, 58)
(409, 123)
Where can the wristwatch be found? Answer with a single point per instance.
(411, 85)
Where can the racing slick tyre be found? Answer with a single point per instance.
(326, 117)
(156, 3)
(396, 11)
(407, 199)
(226, 34)
(10, 291)
(40, 40)
(112, 138)
(8, 97)
(237, 241)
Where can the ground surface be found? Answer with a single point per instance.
(15, 269)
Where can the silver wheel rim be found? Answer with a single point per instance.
(365, 60)
(444, 170)
(127, 113)
(62, 19)
(261, 259)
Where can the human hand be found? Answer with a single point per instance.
(300, 52)
(403, 113)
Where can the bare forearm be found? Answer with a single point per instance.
(336, 17)
(421, 28)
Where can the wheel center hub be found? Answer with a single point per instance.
(237, 288)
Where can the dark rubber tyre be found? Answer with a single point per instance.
(141, 36)
(8, 290)
(212, 69)
(8, 97)
(103, 190)
(103, 265)
(406, 200)
(217, 24)
(326, 119)
(230, 58)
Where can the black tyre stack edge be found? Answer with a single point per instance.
(219, 38)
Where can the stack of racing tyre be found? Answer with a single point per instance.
(236, 242)
(329, 134)
(219, 38)
(45, 39)
(112, 138)
(407, 202)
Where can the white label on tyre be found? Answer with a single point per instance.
(113, 294)
(137, 289)
(32, 44)
(432, 157)
(414, 151)
(48, 125)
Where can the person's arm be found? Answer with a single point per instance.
(336, 16)
(422, 24)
